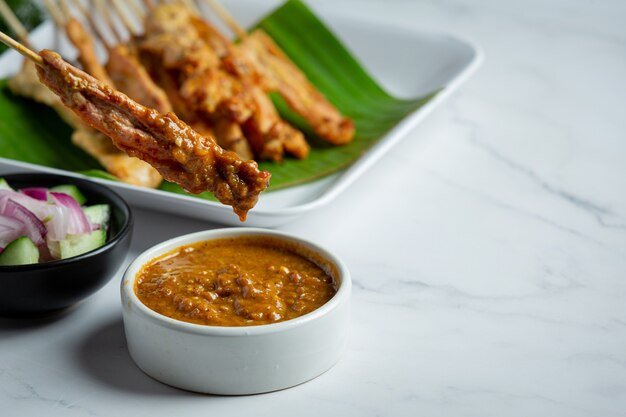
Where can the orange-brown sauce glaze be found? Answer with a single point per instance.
(242, 281)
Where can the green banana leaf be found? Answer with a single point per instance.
(319, 54)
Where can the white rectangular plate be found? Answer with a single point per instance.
(429, 61)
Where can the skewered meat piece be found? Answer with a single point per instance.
(211, 89)
(168, 84)
(233, 59)
(132, 79)
(230, 136)
(268, 134)
(130, 170)
(87, 56)
(173, 43)
(175, 40)
(180, 154)
(226, 131)
(282, 75)
(259, 59)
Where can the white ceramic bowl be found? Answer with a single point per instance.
(235, 360)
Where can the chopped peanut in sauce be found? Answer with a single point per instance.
(243, 281)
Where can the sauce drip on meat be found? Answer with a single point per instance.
(242, 281)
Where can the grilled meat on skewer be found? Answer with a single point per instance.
(268, 134)
(281, 75)
(126, 168)
(230, 136)
(81, 39)
(259, 59)
(130, 170)
(180, 154)
(200, 61)
(132, 79)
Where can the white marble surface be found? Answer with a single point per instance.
(488, 249)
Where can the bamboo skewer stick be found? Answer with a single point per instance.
(14, 23)
(105, 12)
(137, 14)
(92, 24)
(67, 14)
(135, 9)
(227, 18)
(122, 13)
(28, 53)
(55, 13)
(65, 9)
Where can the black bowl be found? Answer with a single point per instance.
(49, 286)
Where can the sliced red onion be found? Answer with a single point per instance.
(78, 222)
(57, 222)
(54, 216)
(10, 229)
(33, 227)
(38, 208)
(38, 193)
(59, 212)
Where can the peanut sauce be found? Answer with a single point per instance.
(242, 281)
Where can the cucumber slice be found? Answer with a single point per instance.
(76, 245)
(4, 185)
(99, 214)
(72, 191)
(22, 251)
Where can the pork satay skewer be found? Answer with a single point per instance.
(261, 129)
(125, 72)
(128, 169)
(99, 146)
(190, 72)
(179, 153)
(268, 134)
(27, 84)
(283, 76)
